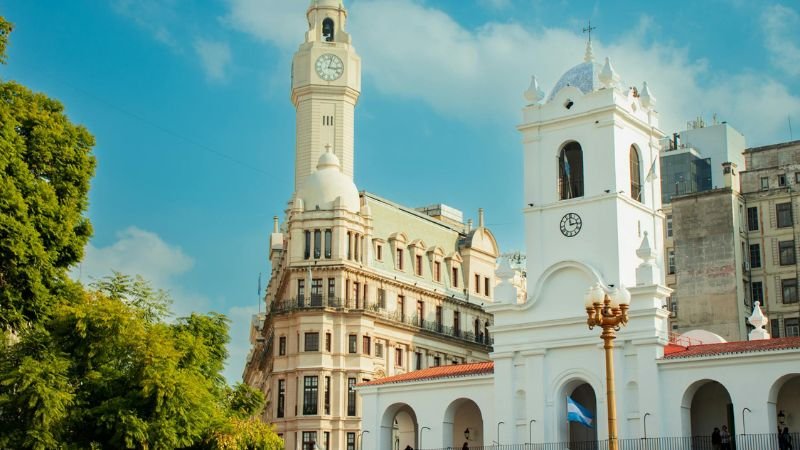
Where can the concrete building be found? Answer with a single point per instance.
(593, 228)
(361, 288)
(771, 187)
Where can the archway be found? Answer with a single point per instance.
(784, 403)
(463, 422)
(582, 437)
(570, 171)
(399, 427)
(706, 405)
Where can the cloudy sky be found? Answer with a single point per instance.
(189, 102)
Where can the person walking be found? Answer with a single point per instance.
(785, 439)
(716, 439)
(465, 446)
(725, 438)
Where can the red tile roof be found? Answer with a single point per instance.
(435, 373)
(673, 351)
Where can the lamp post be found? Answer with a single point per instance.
(498, 431)
(361, 438)
(645, 424)
(530, 431)
(609, 311)
(420, 435)
(744, 424)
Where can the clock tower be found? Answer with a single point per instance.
(326, 84)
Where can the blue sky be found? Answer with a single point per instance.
(189, 102)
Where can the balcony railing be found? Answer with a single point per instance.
(319, 303)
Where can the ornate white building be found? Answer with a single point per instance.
(593, 196)
(361, 287)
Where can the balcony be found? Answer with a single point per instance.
(372, 309)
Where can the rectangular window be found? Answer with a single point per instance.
(349, 245)
(789, 290)
(456, 323)
(455, 277)
(379, 252)
(357, 294)
(439, 325)
(331, 289)
(792, 327)
(399, 262)
(328, 244)
(282, 346)
(381, 298)
(420, 313)
(782, 180)
(752, 218)
(418, 260)
(437, 361)
(309, 440)
(379, 350)
(437, 271)
(418, 361)
(757, 292)
(351, 396)
(669, 225)
(327, 440)
(673, 306)
(764, 183)
(775, 325)
(671, 261)
(486, 285)
(312, 342)
(477, 284)
(310, 395)
(786, 252)
(352, 343)
(328, 342)
(398, 357)
(281, 398)
(755, 256)
(327, 395)
(301, 290)
(316, 292)
(401, 307)
(317, 244)
(351, 441)
(784, 212)
(356, 246)
(307, 247)
(366, 345)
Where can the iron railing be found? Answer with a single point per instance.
(318, 303)
(740, 442)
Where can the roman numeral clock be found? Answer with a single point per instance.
(571, 224)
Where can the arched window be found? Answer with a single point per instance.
(636, 175)
(327, 30)
(570, 171)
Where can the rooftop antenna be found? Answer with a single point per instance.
(589, 56)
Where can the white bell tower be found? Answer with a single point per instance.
(326, 84)
(591, 176)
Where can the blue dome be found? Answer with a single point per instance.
(583, 76)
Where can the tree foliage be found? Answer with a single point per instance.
(45, 168)
(5, 28)
(103, 375)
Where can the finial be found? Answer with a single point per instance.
(480, 217)
(534, 94)
(588, 30)
(647, 99)
(759, 321)
(328, 147)
(275, 226)
(608, 76)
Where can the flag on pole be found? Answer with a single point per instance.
(577, 413)
(651, 174)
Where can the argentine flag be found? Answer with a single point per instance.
(577, 413)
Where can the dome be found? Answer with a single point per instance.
(583, 76)
(321, 189)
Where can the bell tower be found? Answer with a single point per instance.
(326, 84)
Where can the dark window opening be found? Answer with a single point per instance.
(786, 251)
(752, 218)
(636, 177)
(281, 398)
(570, 171)
(351, 396)
(784, 212)
(310, 391)
(327, 30)
(755, 256)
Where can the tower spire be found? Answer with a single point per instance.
(588, 30)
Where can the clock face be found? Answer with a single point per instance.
(329, 67)
(571, 224)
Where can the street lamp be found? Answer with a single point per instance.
(645, 424)
(498, 431)
(744, 424)
(420, 435)
(609, 311)
(530, 431)
(361, 438)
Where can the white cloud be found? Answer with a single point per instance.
(151, 15)
(479, 74)
(215, 57)
(781, 28)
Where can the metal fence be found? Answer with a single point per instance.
(740, 442)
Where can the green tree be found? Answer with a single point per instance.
(45, 168)
(108, 374)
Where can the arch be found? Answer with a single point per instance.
(706, 404)
(328, 27)
(462, 422)
(399, 427)
(564, 386)
(592, 275)
(570, 171)
(784, 397)
(635, 165)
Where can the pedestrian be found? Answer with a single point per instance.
(785, 439)
(465, 446)
(725, 438)
(408, 447)
(716, 439)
